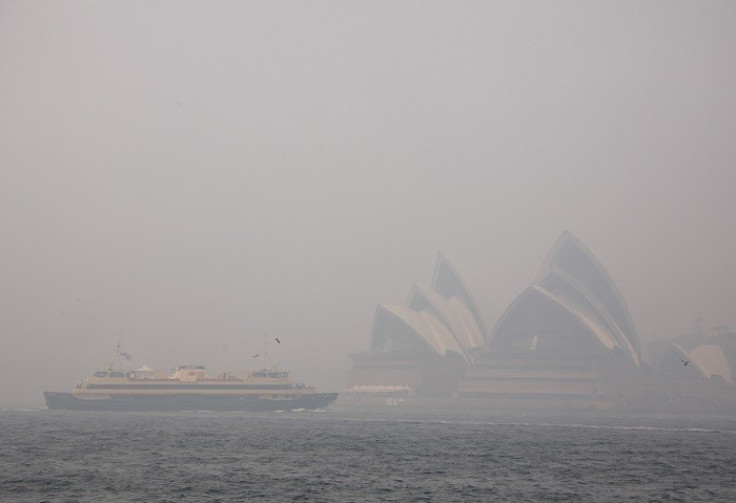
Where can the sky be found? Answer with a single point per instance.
(185, 177)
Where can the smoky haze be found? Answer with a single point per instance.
(184, 176)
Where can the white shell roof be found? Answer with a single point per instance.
(445, 318)
(453, 313)
(572, 256)
(573, 279)
(449, 284)
(576, 297)
(423, 326)
(709, 360)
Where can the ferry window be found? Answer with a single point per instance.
(117, 374)
(100, 374)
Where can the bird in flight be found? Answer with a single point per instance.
(256, 355)
(684, 362)
(277, 340)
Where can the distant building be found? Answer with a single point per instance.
(426, 344)
(568, 340)
(564, 339)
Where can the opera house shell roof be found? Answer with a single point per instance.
(438, 320)
(711, 355)
(572, 309)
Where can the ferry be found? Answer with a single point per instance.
(188, 388)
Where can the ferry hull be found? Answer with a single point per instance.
(67, 401)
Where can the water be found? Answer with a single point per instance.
(342, 456)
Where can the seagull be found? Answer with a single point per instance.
(256, 355)
(277, 340)
(684, 362)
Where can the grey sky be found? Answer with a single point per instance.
(184, 176)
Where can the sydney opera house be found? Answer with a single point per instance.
(568, 341)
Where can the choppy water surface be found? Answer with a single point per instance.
(340, 456)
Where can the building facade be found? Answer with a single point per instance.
(567, 341)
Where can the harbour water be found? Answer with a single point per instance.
(341, 456)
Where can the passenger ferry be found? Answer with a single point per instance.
(187, 388)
